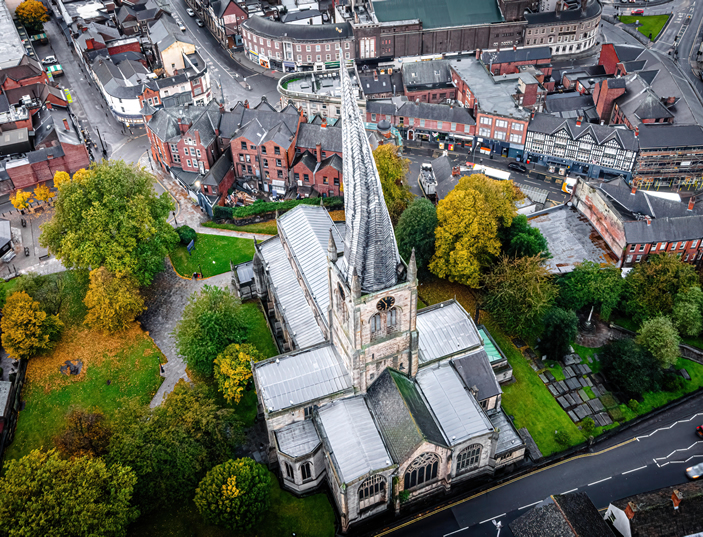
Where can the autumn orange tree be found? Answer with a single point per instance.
(26, 329)
(113, 302)
(32, 14)
(469, 219)
(233, 370)
(86, 434)
(20, 200)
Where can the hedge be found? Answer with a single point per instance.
(186, 234)
(262, 207)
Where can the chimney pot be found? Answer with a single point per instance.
(578, 121)
(318, 150)
(630, 510)
(634, 190)
(324, 123)
(65, 124)
(691, 203)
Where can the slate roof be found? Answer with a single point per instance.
(254, 123)
(402, 414)
(164, 32)
(508, 438)
(668, 136)
(306, 231)
(307, 160)
(301, 376)
(664, 230)
(571, 15)
(548, 124)
(433, 73)
(334, 162)
(296, 310)
(298, 438)
(123, 81)
(310, 135)
(442, 168)
(293, 16)
(164, 122)
(445, 329)
(456, 410)
(582, 514)
(298, 32)
(544, 520)
(439, 112)
(562, 102)
(384, 84)
(475, 370)
(620, 195)
(354, 443)
(219, 170)
(439, 13)
(520, 55)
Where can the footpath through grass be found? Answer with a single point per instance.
(311, 516)
(651, 24)
(211, 255)
(264, 228)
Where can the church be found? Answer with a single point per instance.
(384, 403)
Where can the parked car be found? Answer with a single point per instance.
(694, 472)
(637, 12)
(182, 26)
(699, 431)
(517, 167)
(50, 60)
(199, 23)
(190, 12)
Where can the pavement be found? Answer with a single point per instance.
(649, 456)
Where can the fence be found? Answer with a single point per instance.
(687, 351)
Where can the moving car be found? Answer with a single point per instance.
(694, 472)
(190, 12)
(50, 60)
(637, 12)
(199, 23)
(517, 167)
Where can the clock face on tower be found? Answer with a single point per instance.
(385, 303)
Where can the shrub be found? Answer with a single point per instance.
(261, 207)
(186, 234)
(633, 404)
(616, 414)
(221, 213)
(404, 496)
(561, 438)
(588, 425)
(673, 383)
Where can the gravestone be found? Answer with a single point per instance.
(583, 382)
(553, 390)
(596, 405)
(550, 376)
(584, 397)
(595, 391)
(543, 378)
(573, 384)
(581, 411)
(568, 372)
(563, 402)
(684, 374)
(573, 416)
(561, 386)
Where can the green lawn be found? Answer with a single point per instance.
(259, 333)
(311, 516)
(212, 255)
(130, 364)
(265, 228)
(651, 24)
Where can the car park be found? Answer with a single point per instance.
(50, 60)
(190, 12)
(517, 167)
(199, 23)
(694, 472)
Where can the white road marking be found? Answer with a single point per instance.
(529, 505)
(488, 520)
(630, 471)
(596, 482)
(456, 531)
(568, 491)
(670, 426)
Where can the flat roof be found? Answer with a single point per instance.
(445, 329)
(11, 47)
(439, 13)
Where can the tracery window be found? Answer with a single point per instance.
(372, 491)
(423, 468)
(469, 458)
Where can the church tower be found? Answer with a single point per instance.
(373, 294)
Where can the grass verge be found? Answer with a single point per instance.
(311, 516)
(651, 24)
(211, 255)
(115, 368)
(263, 228)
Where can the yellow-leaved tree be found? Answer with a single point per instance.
(21, 199)
(80, 175)
(113, 302)
(392, 169)
(43, 193)
(469, 219)
(233, 369)
(60, 179)
(26, 329)
(33, 14)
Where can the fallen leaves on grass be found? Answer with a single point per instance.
(436, 291)
(337, 216)
(79, 344)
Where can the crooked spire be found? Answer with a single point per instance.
(369, 243)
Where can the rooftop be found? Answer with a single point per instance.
(298, 32)
(571, 239)
(601, 134)
(298, 438)
(11, 47)
(475, 370)
(439, 13)
(494, 94)
(508, 438)
(431, 73)
(445, 329)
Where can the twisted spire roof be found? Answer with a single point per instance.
(369, 244)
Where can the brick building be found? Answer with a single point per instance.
(428, 81)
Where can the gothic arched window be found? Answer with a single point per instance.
(372, 491)
(392, 320)
(468, 458)
(306, 471)
(375, 325)
(422, 469)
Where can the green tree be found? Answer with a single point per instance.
(186, 234)
(688, 312)
(235, 494)
(519, 291)
(26, 329)
(86, 434)
(172, 446)
(416, 229)
(392, 169)
(48, 290)
(42, 494)
(211, 321)
(32, 14)
(659, 336)
(522, 240)
(469, 219)
(630, 367)
(590, 284)
(559, 332)
(650, 287)
(233, 370)
(111, 217)
(113, 302)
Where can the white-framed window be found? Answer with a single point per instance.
(346, 55)
(639, 258)
(662, 246)
(318, 57)
(439, 124)
(501, 123)
(278, 55)
(307, 48)
(317, 48)
(276, 44)
(694, 243)
(300, 57)
(484, 132)
(327, 46)
(188, 163)
(673, 246)
(517, 126)
(309, 58)
(297, 48)
(328, 56)
(453, 127)
(486, 120)
(261, 40)
(346, 45)
(197, 152)
(422, 123)
(268, 43)
(516, 138)
(499, 135)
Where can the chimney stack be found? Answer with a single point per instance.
(676, 498)
(691, 203)
(478, 53)
(514, 48)
(318, 152)
(578, 121)
(634, 189)
(324, 123)
(222, 108)
(65, 124)
(630, 510)
(637, 132)
(375, 75)
(649, 220)
(246, 103)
